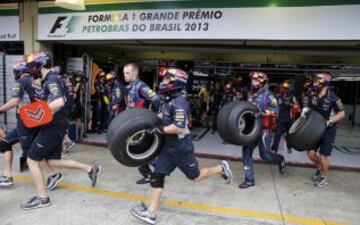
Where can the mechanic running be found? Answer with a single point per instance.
(24, 92)
(178, 149)
(267, 105)
(329, 105)
(47, 144)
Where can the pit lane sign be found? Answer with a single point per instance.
(260, 23)
(9, 28)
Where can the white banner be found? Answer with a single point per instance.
(270, 23)
(9, 28)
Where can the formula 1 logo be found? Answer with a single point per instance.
(70, 26)
(58, 24)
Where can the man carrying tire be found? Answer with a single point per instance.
(325, 102)
(178, 149)
(140, 95)
(268, 110)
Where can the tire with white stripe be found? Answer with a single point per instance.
(128, 142)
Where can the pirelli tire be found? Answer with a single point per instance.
(238, 124)
(127, 140)
(305, 133)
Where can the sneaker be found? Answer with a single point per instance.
(282, 167)
(226, 172)
(321, 182)
(68, 146)
(3, 178)
(36, 202)
(144, 180)
(53, 181)
(141, 212)
(6, 181)
(246, 184)
(94, 174)
(316, 176)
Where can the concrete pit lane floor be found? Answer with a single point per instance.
(345, 155)
(276, 199)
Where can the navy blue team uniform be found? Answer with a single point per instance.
(48, 142)
(265, 101)
(241, 92)
(69, 91)
(25, 90)
(284, 121)
(8, 141)
(118, 92)
(101, 106)
(326, 105)
(216, 101)
(178, 150)
(140, 95)
(268, 107)
(229, 96)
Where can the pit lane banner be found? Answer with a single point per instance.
(9, 28)
(259, 23)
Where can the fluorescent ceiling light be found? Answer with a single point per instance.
(71, 4)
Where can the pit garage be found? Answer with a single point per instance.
(213, 61)
(215, 43)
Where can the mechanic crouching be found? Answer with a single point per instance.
(325, 102)
(267, 104)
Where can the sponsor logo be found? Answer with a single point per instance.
(36, 115)
(59, 29)
(58, 24)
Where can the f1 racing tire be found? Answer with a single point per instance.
(305, 133)
(127, 140)
(238, 124)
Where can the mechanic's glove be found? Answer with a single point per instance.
(156, 130)
(305, 111)
(257, 115)
(328, 123)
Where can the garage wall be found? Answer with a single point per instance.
(349, 111)
(7, 86)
